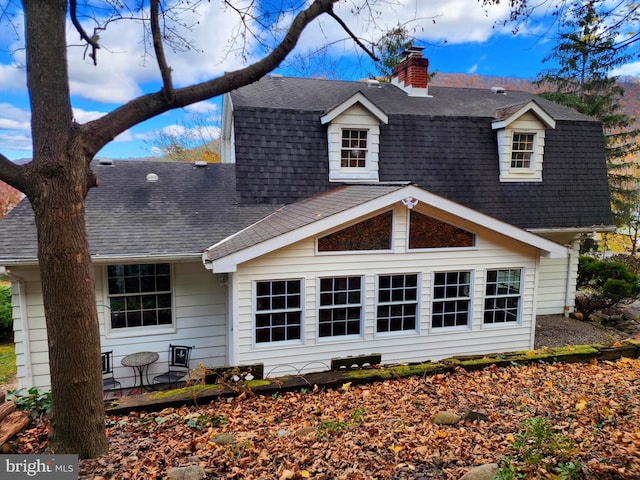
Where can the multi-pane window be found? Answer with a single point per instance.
(451, 299)
(502, 296)
(522, 150)
(397, 302)
(353, 153)
(139, 295)
(278, 310)
(340, 306)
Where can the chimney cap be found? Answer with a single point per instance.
(413, 50)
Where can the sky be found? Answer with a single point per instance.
(458, 36)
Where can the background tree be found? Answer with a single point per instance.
(197, 137)
(9, 198)
(57, 179)
(586, 55)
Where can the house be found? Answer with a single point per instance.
(346, 218)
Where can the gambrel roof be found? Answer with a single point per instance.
(443, 143)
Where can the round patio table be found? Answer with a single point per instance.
(140, 362)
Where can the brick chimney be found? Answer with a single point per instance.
(412, 73)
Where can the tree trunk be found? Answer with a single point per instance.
(58, 181)
(68, 290)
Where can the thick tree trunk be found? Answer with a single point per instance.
(77, 407)
(58, 179)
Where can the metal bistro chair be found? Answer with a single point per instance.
(178, 365)
(108, 381)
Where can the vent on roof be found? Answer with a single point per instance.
(152, 178)
(275, 76)
(200, 163)
(498, 90)
(105, 161)
(371, 82)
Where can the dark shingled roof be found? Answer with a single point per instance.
(300, 214)
(443, 143)
(187, 210)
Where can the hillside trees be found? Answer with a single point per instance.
(59, 176)
(586, 55)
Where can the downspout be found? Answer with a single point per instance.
(20, 284)
(567, 295)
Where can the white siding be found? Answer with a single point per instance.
(300, 261)
(557, 284)
(200, 317)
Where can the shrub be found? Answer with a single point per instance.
(604, 284)
(6, 319)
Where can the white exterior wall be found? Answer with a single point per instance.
(299, 261)
(200, 313)
(557, 288)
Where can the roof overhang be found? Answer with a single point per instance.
(350, 102)
(229, 263)
(516, 113)
(116, 259)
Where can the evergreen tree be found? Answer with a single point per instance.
(585, 56)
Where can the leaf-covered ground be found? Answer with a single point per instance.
(383, 430)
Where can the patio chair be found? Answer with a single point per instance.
(179, 356)
(108, 381)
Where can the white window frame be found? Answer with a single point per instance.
(530, 153)
(457, 298)
(502, 296)
(126, 332)
(338, 306)
(398, 303)
(272, 311)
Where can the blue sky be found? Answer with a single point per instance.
(464, 39)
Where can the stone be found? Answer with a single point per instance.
(446, 418)
(483, 472)
(224, 439)
(192, 472)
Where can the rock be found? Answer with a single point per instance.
(283, 432)
(483, 472)
(446, 418)
(224, 439)
(192, 472)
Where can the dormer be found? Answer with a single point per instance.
(521, 132)
(353, 131)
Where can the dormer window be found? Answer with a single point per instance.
(353, 134)
(520, 131)
(354, 148)
(522, 150)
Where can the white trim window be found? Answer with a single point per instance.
(451, 303)
(355, 148)
(503, 296)
(140, 295)
(278, 313)
(522, 150)
(340, 308)
(397, 303)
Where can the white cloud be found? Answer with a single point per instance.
(630, 69)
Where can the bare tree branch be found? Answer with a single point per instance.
(97, 133)
(165, 70)
(352, 35)
(93, 40)
(12, 174)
